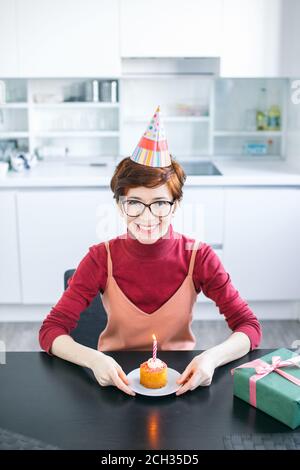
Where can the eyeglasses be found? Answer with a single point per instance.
(158, 208)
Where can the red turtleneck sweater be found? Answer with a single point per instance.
(149, 275)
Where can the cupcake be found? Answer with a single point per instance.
(153, 373)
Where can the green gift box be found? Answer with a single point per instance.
(271, 384)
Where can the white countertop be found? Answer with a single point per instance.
(234, 173)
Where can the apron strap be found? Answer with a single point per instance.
(109, 262)
(196, 247)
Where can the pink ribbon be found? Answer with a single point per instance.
(262, 369)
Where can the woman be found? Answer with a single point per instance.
(149, 279)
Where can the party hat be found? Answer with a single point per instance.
(152, 149)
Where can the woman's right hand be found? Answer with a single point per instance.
(108, 372)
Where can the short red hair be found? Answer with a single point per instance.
(129, 174)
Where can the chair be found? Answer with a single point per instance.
(92, 320)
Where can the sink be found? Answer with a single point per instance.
(84, 163)
(97, 164)
(206, 168)
(200, 168)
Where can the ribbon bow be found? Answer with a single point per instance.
(276, 364)
(263, 368)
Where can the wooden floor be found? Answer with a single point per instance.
(24, 336)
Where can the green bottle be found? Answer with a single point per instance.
(261, 112)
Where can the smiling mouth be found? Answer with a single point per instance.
(147, 228)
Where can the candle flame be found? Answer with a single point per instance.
(154, 337)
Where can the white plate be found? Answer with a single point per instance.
(171, 387)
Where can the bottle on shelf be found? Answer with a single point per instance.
(95, 91)
(91, 91)
(261, 112)
(109, 91)
(274, 118)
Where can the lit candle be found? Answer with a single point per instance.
(154, 347)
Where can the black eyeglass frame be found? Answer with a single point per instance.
(171, 203)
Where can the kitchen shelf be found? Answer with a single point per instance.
(14, 135)
(165, 76)
(13, 105)
(185, 103)
(59, 116)
(247, 133)
(235, 102)
(73, 104)
(171, 119)
(247, 158)
(115, 128)
(77, 134)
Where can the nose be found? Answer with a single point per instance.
(147, 214)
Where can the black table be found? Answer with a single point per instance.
(61, 404)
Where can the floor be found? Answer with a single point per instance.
(276, 333)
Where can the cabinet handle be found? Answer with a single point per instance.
(216, 246)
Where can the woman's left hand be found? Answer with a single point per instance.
(199, 371)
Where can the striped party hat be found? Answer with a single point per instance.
(152, 149)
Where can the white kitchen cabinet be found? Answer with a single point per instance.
(171, 28)
(10, 286)
(200, 215)
(261, 242)
(8, 39)
(69, 38)
(251, 39)
(56, 229)
(290, 46)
